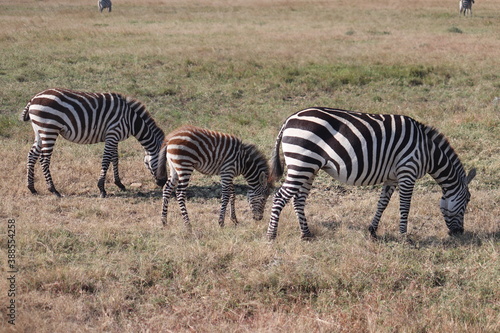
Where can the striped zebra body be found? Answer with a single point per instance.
(212, 153)
(366, 149)
(88, 118)
(102, 4)
(466, 7)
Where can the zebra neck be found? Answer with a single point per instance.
(253, 165)
(446, 167)
(148, 134)
(151, 139)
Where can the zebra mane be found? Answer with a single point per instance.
(255, 156)
(442, 142)
(437, 137)
(140, 109)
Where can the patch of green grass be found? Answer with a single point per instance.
(455, 30)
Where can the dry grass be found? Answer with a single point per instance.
(87, 264)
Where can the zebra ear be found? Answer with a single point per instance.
(471, 175)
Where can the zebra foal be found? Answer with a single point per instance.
(87, 118)
(366, 149)
(190, 148)
(102, 4)
(465, 7)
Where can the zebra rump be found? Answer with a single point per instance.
(366, 149)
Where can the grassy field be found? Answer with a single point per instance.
(88, 264)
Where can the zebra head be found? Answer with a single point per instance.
(151, 161)
(454, 203)
(258, 194)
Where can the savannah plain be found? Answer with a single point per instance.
(87, 264)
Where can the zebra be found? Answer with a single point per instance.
(86, 118)
(101, 4)
(190, 148)
(466, 6)
(366, 149)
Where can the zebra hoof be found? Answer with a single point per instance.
(271, 237)
(54, 191)
(103, 195)
(163, 221)
(121, 186)
(33, 191)
(456, 232)
(307, 237)
(373, 232)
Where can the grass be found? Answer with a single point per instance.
(87, 264)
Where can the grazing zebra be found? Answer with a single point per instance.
(190, 148)
(86, 118)
(466, 6)
(104, 4)
(366, 149)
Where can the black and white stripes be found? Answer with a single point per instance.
(366, 149)
(465, 7)
(89, 118)
(212, 153)
(102, 4)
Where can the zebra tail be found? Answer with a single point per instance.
(276, 164)
(25, 115)
(161, 171)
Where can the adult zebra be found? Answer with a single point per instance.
(190, 148)
(101, 4)
(87, 118)
(366, 149)
(466, 7)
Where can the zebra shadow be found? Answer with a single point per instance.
(467, 239)
(212, 191)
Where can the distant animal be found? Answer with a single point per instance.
(466, 7)
(366, 149)
(87, 118)
(190, 148)
(101, 4)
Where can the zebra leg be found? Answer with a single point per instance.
(45, 162)
(299, 203)
(47, 146)
(116, 174)
(232, 199)
(181, 194)
(110, 150)
(167, 194)
(227, 196)
(383, 201)
(281, 198)
(33, 156)
(405, 193)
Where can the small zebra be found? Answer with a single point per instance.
(101, 4)
(366, 149)
(87, 118)
(190, 148)
(466, 6)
